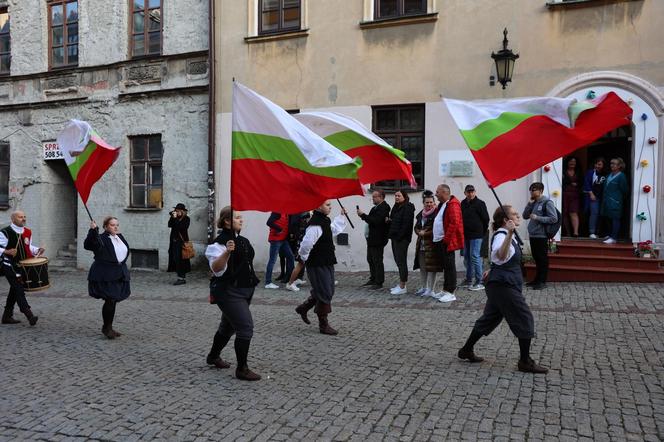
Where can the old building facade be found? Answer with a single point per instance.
(388, 63)
(137, 70)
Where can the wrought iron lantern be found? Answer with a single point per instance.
(505, 60)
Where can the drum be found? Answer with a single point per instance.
(34, 273)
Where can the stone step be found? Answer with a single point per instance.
(62, 263)
(66, 253)
(578, 273)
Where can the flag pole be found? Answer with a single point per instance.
(87, 210)
(342, 208)
(500, 204)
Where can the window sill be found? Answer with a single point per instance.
(3, 207)
(67, 68)
(145, 57)
(582, 3)
(277, 36)
(143, 209)
(399, 21)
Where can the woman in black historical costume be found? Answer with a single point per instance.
(109, 277)
(179, 224)
(232, 286)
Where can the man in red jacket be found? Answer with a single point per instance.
(448, 237)
(278, 239)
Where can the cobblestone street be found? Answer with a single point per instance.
(391, 373)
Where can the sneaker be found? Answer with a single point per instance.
(465, 284)
(292, 287)
(427, 292)
(435, 295)
(336, 282)
(477, 287)
(610, 241)
(376, 287)
(447, 297)
(271, 286)
(399, 291)
(592, 236)
(180, 281)
(300, 282)
(420, 291)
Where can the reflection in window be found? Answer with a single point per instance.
(5, 43)
(63, 38)
(146, 171)
(146, 28)
(279, 16)
(4, 174)
(398, 8)
(403, 128)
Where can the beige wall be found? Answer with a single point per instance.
(339, 64)
(343, 67)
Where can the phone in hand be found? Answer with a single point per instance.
(357, 207)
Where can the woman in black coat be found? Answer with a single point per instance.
(179, 224)
(108, 278)
(401, 232)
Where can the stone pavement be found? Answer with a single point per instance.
(391, 374)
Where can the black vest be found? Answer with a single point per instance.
(322, 254)
(510, 272)
(13, 242)
(239, 268)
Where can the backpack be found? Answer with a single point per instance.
(552, 229)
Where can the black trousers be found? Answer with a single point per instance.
(449, 268)
(539, 247)
(400, 251)
(235, 314)
(322, 283)
(505, 302)
(16, 293)
(376, 267)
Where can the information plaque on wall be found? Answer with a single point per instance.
(461, 168)
(51, 150)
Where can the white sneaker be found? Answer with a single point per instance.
(435, 295)
(292, 287)
(427, 292)
(476, 287)
(447, 297)
(610, 241)
(420, 291)
(300, 282)
(271, 286)
(592, 236)
(395, 287)
(336, 282)
(399, 291)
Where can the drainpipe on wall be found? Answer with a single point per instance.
(211, 121)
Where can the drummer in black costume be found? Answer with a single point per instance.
(108, 278)
(503, 291)
(232, 286)
(16, 245)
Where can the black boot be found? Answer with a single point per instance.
(241, 352)
(303, 308)
(322, 310)
(8, 317)
(218, 344)
(467, 352)
(32, 319)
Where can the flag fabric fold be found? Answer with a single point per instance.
(380, 161)
(511, 138)
(86, 154)
(280, 165)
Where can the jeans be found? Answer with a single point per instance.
(594, 217)
(275, 248)
(615, 227)
(472, 260)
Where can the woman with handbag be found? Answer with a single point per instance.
(505, 299)
(108, 278)
(232, 286)
(180, 249)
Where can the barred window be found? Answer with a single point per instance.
(146, 172)
(403, 128)
(63, 33)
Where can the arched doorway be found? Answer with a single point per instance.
(639, 145)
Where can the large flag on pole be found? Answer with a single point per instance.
(86, 154)
(511, 138)
(280, 165)
(380, 161)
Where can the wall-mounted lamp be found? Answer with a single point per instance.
(504, 59)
